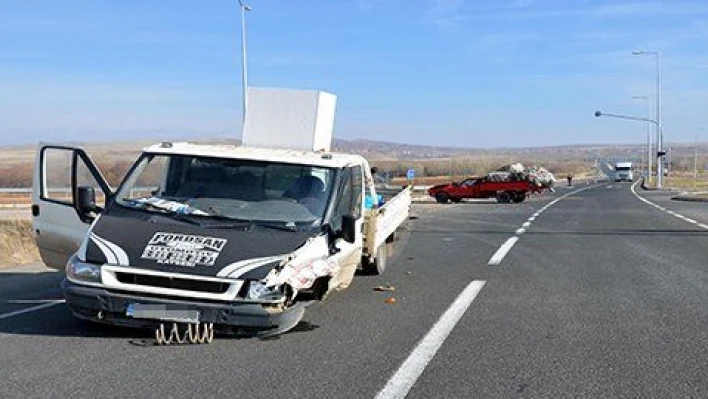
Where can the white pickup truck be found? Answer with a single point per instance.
(233, 239)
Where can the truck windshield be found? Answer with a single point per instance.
(622, 168)
(254, 191)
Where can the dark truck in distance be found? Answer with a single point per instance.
(483, 187)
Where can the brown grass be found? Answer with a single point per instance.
(17, 243)
(684, 181)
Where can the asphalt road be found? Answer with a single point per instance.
(600, 295)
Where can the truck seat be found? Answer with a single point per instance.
(205, 181)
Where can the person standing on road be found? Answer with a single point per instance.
(570, 179)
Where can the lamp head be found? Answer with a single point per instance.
(598, 114)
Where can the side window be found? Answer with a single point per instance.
(58, 167)
(56, 179)
(344, 200)
(85, 178)
(357, 182)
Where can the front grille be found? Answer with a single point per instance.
(176, 283)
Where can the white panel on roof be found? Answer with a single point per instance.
(289, 118)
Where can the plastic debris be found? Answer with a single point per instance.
(517, 172)
(385, 288)
(390, 300)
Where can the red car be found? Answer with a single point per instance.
(503, 191)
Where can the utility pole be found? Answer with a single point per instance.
(244, 64)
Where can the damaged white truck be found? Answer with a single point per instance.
(216, 238)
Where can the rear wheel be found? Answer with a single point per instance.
(503, 197)
(442, 197)
(518, 197)
(377, 265)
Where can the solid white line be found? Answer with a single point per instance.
(502, 251)
(669, 211)
(401, 382)
(32, 309)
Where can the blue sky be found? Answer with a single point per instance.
(501, 73)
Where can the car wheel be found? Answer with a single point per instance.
(503, 197)
(377, 266)
(456, 200)
(442, 197)
(518, 197)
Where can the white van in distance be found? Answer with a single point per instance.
(623, 171)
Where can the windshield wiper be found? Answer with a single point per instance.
(203, 221)
(291, 227)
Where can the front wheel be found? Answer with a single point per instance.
(442, 197)
(377, 266)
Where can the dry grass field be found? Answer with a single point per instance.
(17, 243)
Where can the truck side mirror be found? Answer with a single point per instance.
(348, 232)
(86, 200)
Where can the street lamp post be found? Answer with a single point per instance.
(649, 151)
(631, 118)
(659, 132)
(695, 153)
(244, 71)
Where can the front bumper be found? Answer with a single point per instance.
(103, 306)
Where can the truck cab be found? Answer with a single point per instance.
(242, 238)
(623, 171)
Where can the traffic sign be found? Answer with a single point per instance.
(410, 174)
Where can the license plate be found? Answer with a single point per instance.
(161, 312)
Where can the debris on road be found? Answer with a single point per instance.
(390, 300)
(385, 288)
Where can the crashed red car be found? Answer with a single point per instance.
(504, 191)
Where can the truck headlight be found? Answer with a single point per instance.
(83, 271)
(258, 291)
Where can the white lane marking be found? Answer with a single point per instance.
(402, 381)
(669, 211)
(502, 251)
(32, 309)
(28, 301)
(509, 243)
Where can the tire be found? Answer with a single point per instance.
(456, 200)
(378, 265)
(442, 197)
(503, 197)
(518, 197)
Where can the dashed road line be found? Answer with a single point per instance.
(502, 251)
(498, 256)
(402, 381)
(669, 211)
